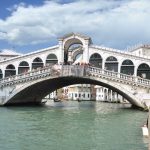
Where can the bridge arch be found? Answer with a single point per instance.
(143, 71)
(50, 84)
(23, 67)
(96, 60)
(127, 67)
(111, 64)
(51, 59)
(37, 63)
(10, 70)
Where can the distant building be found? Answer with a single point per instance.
(141, 50)
(80, 92)
(105, 94)
(6, 54)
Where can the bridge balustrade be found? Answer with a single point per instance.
(72, 70)
(26, 75)
(120, 76)
(143, 81)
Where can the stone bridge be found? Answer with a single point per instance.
(31, 87)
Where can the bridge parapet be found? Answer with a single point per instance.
(74, 70)
(119, 76)
(28, 76)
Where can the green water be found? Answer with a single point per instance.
(72, 126)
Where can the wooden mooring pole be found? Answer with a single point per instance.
(149, 130)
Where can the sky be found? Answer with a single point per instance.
(29, 25)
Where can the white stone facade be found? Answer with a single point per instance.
(81, 54)
(135, 62)
(81, 92)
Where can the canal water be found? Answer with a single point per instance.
(72, 126)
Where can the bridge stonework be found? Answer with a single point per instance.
(33, 86)
(30, 77)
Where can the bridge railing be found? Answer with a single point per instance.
(120, 76)
(76, 70)
(32, 73)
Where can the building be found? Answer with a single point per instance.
(81, 92)
(106, 95)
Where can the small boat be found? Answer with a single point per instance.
(57, 100)
(145, 131)
(79, 100)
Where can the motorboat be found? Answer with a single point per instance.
(145, 131)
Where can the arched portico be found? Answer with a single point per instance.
(70, 46)
(96, 60)
(51, 59)
(127, 67)
(143, 71)
(111, 64)
(10, 70)
(37, 63)
(23, 67)
(71, 42)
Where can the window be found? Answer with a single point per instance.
(75, 94)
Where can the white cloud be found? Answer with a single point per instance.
(109, 22)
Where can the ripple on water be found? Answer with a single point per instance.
(72, 126)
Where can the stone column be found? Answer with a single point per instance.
(61, 52)
(103, 63)
(135, 71)
(119, 67)
(86, 51)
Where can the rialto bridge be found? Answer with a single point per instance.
(31, 74)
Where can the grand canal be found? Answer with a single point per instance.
(72, 126)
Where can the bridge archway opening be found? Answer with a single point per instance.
(77, 57)
(1, 74)
(143, 71)
(51, 59)
(10, 70)
(52, 84)
(127, 67)
(37, 63)
(23, 67)
(96, 60)
(70, 46)
(111, 64)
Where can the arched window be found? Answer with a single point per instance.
(96, 60)
(111, 64)
(143, 71)
(37, 63)
(1, 74)
(51, 59)
(23, 67)
(127, 67)
(10, 70)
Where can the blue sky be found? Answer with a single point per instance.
(28, 25)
